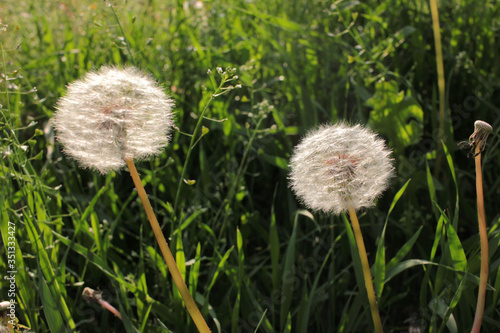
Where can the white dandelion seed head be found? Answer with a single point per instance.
(113, 114)
(339, 166)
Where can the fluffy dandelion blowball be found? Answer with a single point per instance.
(111, 115)
(340, 166)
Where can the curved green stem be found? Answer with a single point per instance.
(194, 139)
(366, 271)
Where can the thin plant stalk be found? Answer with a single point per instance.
(440, 72)
(366, 271)
(226, 76)
(172, 266)
(439, 65)
(483, 234)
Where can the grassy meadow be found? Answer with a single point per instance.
(254, 258)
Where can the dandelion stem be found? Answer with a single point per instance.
(172, 266)
(110, 308)
(483, 234)
(366, 271)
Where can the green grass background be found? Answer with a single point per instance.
(255, 260)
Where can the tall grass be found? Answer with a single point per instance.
(254, 260)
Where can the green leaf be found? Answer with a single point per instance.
(38, 156)
(395, 115)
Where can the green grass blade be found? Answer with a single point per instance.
(50, 308)
(354, 253)
(404, 265)
(287, 283)
(452, 305)
(453, 175)
(437, 236)
(403, 251)
(180, 260)
(94, 222)
(220, 266)
(432, 188)
(288, 324)
(158, 261)
(142, 286)
(274, 244)
(194, 272)
(90, 207)
(48, 273)
(496, 292)
(190, 220)
(25, 295)
(456, 249)
(260, 321)
(379, 268)
(439, 307)
(306, 309)
(241, 273)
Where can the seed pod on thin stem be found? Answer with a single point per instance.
(108, 119)
(341, 168)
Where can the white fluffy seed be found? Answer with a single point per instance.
(113, 114)
(340, 166)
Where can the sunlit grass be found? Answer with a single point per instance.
(252, 257)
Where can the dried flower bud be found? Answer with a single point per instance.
(113, 114)
(481, 132)
(340, 166)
